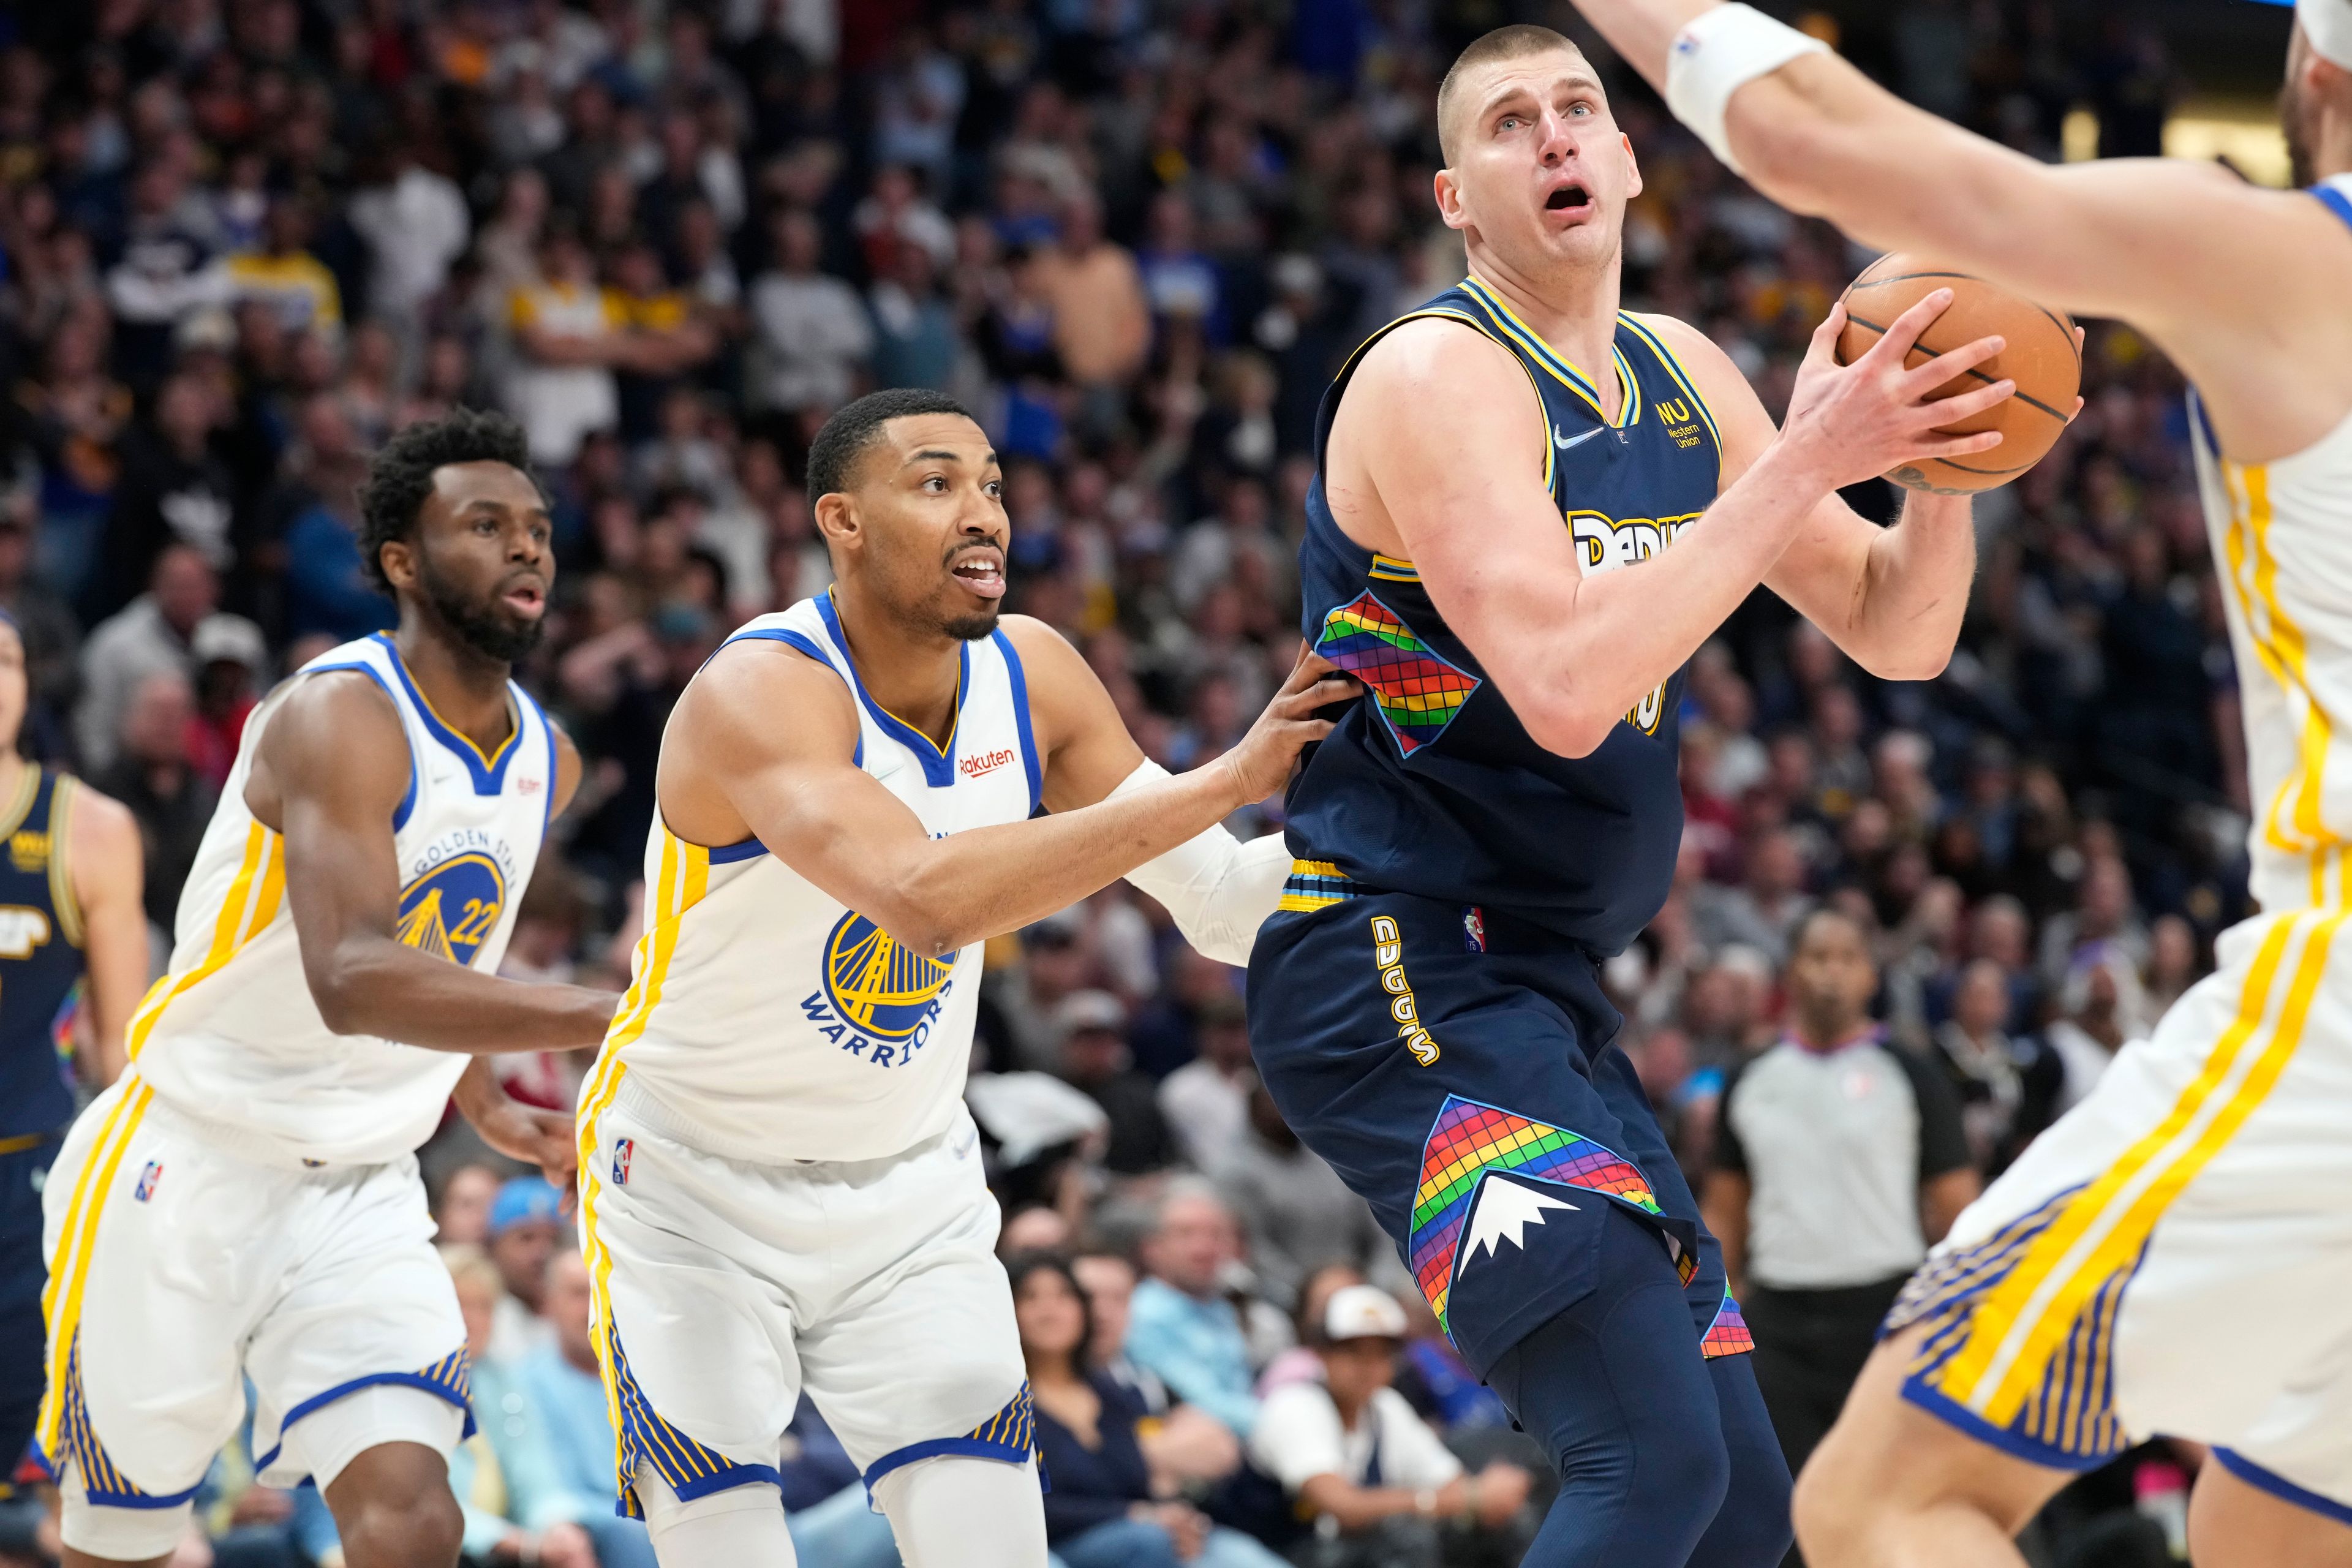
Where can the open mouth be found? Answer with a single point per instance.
(1573, 199)
(525, 599)
(983, 572)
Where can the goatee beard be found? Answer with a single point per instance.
(479, 626)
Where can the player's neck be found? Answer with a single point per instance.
(1575, 313)
(1836, 1037)
(467, 688)
(911, 674)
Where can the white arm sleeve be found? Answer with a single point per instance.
(1218, 889)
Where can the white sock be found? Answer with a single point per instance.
(742, 1527)
(963, 1512)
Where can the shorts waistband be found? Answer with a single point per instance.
(646, 1106)
(254, 1148)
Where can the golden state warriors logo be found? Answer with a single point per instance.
(451, 909)
(882, 989)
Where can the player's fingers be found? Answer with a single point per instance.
(2078, 402)
(1924, 378)
(1960, 445)
(1903, 334)
(1311, 667)
(1968, 405)
(1823, 347)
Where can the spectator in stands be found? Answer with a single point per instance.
(152, 776)
(1297, 1213)
(524, 1230)
(1093, 1026)
(174, 491)
(1765, 908)
(154, 634)
(2096, 1006)
(561, 1381)
(1102, 1510)
(282, 275)
(515, 1511)
(1206, 1101)
(415, 224)
(165, 269)
(1348, 1448)
(1838, 1161)
(813, 332)
(463, 1214)
(1102, 323)
(2105, 920)
(568, 336)
(1183, 1326)
(826, 1507)
(2008, 1085)
(232, 665)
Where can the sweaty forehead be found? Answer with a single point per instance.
(458, 485)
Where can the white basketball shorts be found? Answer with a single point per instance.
(724, 1289)
(183, 1261)
(2172, 1256)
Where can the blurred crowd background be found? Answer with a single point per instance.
(242, 240)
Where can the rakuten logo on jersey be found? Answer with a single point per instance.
(984, 762)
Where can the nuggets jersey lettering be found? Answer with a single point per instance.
(1431, 785)
(767, 1022)
(2282, 536)
(230, 1035)
(40, 956)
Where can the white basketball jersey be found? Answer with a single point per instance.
(2283, 538)
(767, 1022)
(230, 1035)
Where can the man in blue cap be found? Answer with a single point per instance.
(526, 1227)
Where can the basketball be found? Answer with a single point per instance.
(2041, 357)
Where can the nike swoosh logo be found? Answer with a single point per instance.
(1565, 442)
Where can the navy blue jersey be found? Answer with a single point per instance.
(1431, 785)
(40, 956)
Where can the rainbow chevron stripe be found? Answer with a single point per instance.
(1415, 691)
(1470, 1140)
(1728, 1335)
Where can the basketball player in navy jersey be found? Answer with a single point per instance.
(1531, 507)
(71, 929)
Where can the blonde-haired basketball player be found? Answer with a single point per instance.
(243, 1205)
(779, 1188)
(2173, 1256)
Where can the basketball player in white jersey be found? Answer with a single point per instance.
(779, 1188)
(244, 1203)
(2172, 1255)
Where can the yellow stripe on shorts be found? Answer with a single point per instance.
(2025, 1318)
(69, 1270)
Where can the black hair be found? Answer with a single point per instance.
(1017, 1269)
(401, 477)
(854, 427)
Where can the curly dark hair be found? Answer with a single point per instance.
(401, 477)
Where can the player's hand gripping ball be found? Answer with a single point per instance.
(2044, 356)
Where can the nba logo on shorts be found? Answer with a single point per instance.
(622, 1150)
(147, 1180)
(1473, 927)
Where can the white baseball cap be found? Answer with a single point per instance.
(1362, 1312)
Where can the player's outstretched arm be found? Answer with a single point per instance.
(798, 788)
(1433, 445)
(329, 773)
(1217, 888)
(2243, 286)
(105, 862)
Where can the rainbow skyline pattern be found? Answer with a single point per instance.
(1417, 693)
(1728, 1335)
(1470, 1140)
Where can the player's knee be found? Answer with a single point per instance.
(1831, 1505)
(1686, 1467)
(422, 1530)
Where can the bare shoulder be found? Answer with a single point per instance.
(736, 703)
(100, 828)
(1433, 355)
(1043, 650)
(342, 719)
(1066, 698)
(1698, 354)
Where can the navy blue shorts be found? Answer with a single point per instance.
(1456, 1066)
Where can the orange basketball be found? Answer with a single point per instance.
(2041, 357)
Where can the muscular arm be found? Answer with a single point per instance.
(2242, 286)
(1432, 456)
(728, 767)
(330, 772)
(1890, 598)
(105, 862)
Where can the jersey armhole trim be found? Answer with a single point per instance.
(62, 796)
(554, 759)
(488, 772)
(1030, 763)
(407, 802)
(1682, 378)
(1451, 313)
(801, 643)
(2335, 201)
